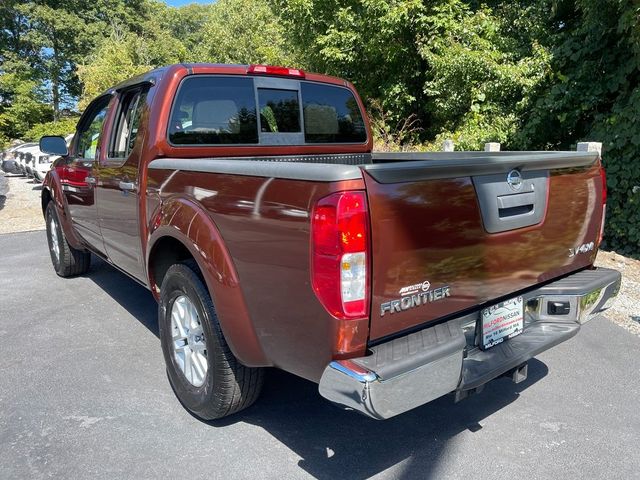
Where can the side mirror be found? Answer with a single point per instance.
(54, 146)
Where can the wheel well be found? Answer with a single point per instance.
(45, 199)
(166, 252)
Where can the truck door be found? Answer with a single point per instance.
(78, 173)
(118, 185)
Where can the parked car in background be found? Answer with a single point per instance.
(21, 157)
(41, 162)
(9, 159)
(30, 155)
(28, 159)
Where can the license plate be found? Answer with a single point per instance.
(501, 321)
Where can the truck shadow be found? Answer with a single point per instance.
(330, 442)
(132, 296)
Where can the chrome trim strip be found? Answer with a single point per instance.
(262, 167)
(360, 377)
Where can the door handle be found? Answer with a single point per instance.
(127, 186)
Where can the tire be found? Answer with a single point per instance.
(67, 261)
(227, 386)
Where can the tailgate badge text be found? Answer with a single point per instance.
(584, 248)
(414, 296)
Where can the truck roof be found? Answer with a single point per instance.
(154, 75)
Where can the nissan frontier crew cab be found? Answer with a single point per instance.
(248, 200)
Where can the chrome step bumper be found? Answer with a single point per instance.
(415, 369)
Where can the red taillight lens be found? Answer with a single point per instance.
(340, 254)
(272, 70)
(603, 176)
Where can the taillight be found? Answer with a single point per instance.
(603, 177)
(272, 70)
(340, 254)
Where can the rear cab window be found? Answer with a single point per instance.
(234, 110)
(214, 110)
(331, 115)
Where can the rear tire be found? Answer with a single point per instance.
(185, 314)
(67, 261)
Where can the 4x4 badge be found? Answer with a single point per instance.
(584, 248)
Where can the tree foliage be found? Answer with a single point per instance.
(23, 105)
(462, 69)
(539, 74)
(125, 54)
(245, 32)
(592, 92)
(62, 127)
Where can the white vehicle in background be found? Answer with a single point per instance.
(41, 162)
(28, 159)
(31, 155)
(21, 156)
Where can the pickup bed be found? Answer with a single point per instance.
(248, 200)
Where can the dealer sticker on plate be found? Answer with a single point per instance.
(501, 321)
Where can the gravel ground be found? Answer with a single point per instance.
(626, 311)
(20, 211)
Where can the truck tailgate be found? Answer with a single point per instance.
(455, 231)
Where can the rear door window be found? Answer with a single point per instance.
(214, 111)
(331, 115)
(127, 124)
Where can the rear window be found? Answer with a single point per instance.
(214, 110)
(331, 115)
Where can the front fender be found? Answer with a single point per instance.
(52, 186)
(188, 222)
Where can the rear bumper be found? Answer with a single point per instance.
(415, 369)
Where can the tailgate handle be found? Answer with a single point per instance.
(518, 204)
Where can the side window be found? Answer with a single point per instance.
(213, 111)
(90, 130)
(279, 110)
(127, 124)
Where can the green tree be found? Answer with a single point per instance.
(592, 92)
(62, 127)
(462, 69)
(482, 72)
(244, 31)
(23, 107)
(123, 56)
(371, 43)
(187, 23)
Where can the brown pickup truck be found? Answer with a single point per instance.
(248, 200)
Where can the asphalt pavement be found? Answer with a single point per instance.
(84, 394)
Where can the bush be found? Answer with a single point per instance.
(62, 127)
(591, 93)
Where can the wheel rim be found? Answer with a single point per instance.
(189, 347)
(55, 244)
